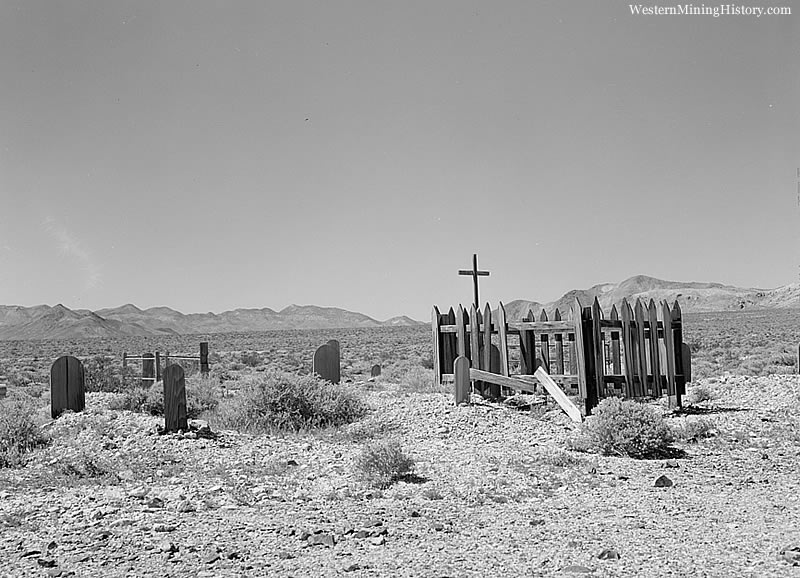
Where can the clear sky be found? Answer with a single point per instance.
(212, 155)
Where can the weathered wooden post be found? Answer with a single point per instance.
(326, 362)
(148, 369)
(175, 399)
(686, 361)
(158, 366)
(204, 357)
(461, 376)
(67, 386)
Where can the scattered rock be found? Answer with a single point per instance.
(671, 464)
(186, 506)
(608, 554)
(211, 558)
(377, 541)
(576, 569)
(139, 492)
(790, 554)
(662, 482)
(46, 563)
(321, 540)
(167, 546)
(352, 568)
(163, 528)
(284, 555)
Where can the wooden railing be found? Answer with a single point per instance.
(636, 354)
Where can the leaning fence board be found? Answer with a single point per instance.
(175, 399)
(516, 383)
(552, 388)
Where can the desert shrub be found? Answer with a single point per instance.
(694, 430)
(784, 358)
(102, 373)
(627, 428)
(382, 463)
(201, 395)
(700, 393)
(19, 432)
(427, 361)
(251, 359)
(285, 401)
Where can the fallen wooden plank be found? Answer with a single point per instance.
(516, 383)
(552, 387)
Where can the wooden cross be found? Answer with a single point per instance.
(475, 274)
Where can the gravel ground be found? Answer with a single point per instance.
(495, 492)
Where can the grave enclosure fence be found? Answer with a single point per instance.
(638, 352)
(152, 363)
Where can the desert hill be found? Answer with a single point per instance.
(693, 297)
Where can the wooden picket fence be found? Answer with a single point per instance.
(636, 353)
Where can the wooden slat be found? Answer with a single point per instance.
(494, 389)
(616, 367)
(654, 353)
(437, 367)
(599, 354)
(544, 344)
(475, 343)
(628, 334)
(461, 335)
(569, 408)
(462, 383)
(148, 367)
(641, 362)
(683, 358)
(550, 327)
(503, 333)
(516, 383)
(175, 400)
(559, 341)
(449, 343)
(669, 358)
(204, 357)
(527, 347)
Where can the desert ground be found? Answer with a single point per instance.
(496, 488)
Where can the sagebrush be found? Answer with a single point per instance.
(382, 463)
(627, 428)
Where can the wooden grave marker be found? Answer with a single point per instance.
(67, 386)
(175, 399)
(375, 371)
(326, 362)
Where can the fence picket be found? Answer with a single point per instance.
(436, 322)
(559, 339)
(683, 357)
(669, 348)
(654, 353)
(642, 348)
(616, 368)
(599, 357)
(461, 333)
(527, 347)
(629, 347)
(502, 330)
(544, 345)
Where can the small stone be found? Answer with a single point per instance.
(662, 482)
(321, 540)
(284, 555)
(608, 555)
(790, 554)
(52, 545)
(55, 572)
(163, 528)
(30, 553)
(438, 526)
(139, 492)
(352, 568)
(167, 546)
(577, 569)
(672, 464)
(155, 503)
(186, 506)
(373, 522)
(211, 558)
(291, 462)
(45, 563)
(379, 532)
(361, 534)
(126, 475)
(536, 522)
(377, 541)
(415, 514)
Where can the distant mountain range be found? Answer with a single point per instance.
(693, 297)
(59, 322)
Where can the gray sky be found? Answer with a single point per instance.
(207, 155)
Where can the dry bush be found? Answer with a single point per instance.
(19, 432)
(700, 393)
(694, 430)
(382, 463)
(626, 428)
(284, 401)
(202, 395)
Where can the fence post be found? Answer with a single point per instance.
(654, 354)
(629, 349)
(527, 347)
(559, 339)
(436, 321)
(67, 381)
(544, 344)
(599, 352)
(175, 399)
(158, 366)
(616, 367)
(204, 357)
